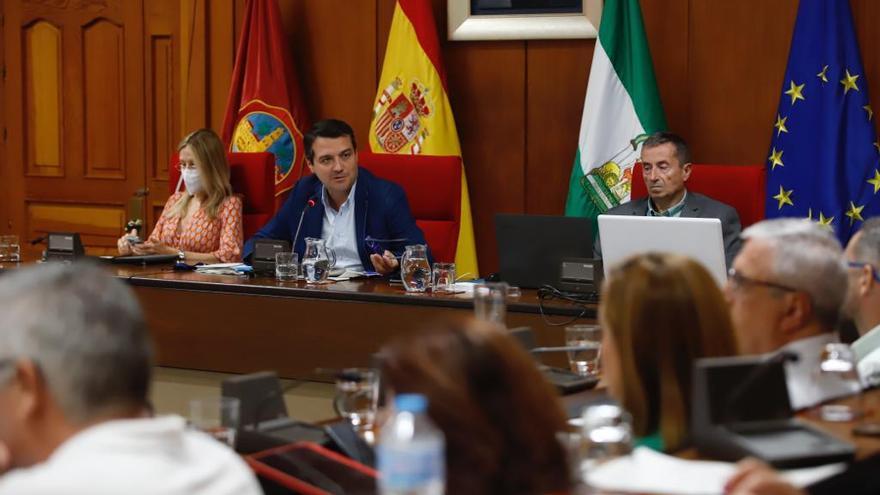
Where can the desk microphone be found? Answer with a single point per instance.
(310, 203)
(733, 404)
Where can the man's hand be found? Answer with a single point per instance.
(756, 478)
(386, 263)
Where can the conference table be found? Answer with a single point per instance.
(236, 324)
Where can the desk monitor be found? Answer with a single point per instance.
(531, 247)
(697, 238)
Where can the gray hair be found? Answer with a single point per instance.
(83, 329)
(867, 247)
(808, 258)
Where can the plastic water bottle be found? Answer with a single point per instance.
(411, 451)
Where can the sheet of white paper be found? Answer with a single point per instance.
(648, 471)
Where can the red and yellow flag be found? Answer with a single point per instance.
(412, 112)
(265, 111)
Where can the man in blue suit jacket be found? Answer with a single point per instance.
(350, 208)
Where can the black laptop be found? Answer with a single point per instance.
(531, 247)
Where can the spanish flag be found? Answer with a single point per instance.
(412, 92)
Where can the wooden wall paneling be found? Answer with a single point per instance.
(42, 95)
(556, 82)
(162, 124)
(5, 221)
(97, 224)
(334, 42)
(667, 27)
(221, 58)
(103, 70)
(738, 54)
(13, 119)
(487, 92)
(193, 65)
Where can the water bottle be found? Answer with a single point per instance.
(411, 451)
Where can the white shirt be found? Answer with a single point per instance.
(806, 386)
(339, 231)
(148, 456)
(867, 351)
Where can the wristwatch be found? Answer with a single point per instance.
(181, 255)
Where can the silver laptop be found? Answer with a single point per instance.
(698, 238)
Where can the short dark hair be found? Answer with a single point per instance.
(681, 148)
(867, 248)
(328, 128)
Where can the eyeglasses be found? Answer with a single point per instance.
(375, 246)
(738, 280)
(185, 166)
(861, 264)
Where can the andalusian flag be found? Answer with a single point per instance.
(622, 105)
(412, 113)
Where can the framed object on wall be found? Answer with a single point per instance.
(523, 19)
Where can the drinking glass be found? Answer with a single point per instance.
(490, 302)
(443, 277)
(216, 416)
(357, 395)
(588, 340)
(838, 372)
(10, 250)
(286, 266)
(607, 432)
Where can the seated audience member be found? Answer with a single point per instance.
(75, 365)
(499, 414)
(863, 296)
(659, 313)
(349, 205)
(785, 291)
(665, 163)
(203, 222)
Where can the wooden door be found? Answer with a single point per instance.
(75, 117)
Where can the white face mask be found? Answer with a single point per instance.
(193, 180)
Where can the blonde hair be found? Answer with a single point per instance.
(214, 169)
(663, 311)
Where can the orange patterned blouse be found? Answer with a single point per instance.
(221, 236)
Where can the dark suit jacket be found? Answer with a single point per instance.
(696, 205)
(380, 208)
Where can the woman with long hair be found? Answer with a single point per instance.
(203, 222)
(659, 313)
(498, 413)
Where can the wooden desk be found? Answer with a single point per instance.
(241, 325)
(870, 404)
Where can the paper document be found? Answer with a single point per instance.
(648, 471)
(224, 269)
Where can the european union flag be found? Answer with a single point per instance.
(824, 154)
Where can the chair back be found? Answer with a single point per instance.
(252, 176)
(740, 186)
(433, 189)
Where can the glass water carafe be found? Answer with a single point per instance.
(318, 260)
(414, 268)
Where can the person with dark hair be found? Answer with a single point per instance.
(344, 204)
(659, 314)
(75, 367)
(862, 303)
(498, 413)
(665, 164)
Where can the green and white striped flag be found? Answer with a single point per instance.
(622, 104)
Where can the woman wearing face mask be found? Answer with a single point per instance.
(203, 222)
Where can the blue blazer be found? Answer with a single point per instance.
(380, 208)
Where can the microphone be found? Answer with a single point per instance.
(310, 203)
(38, 240)
(734, 402)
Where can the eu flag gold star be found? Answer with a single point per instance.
(796, 92)
(776, 159)
(784, 197)
(780, 124)
(849, 82)
(822, 75)
(810, 211)
(825, 221)
(875, 181)
(867, 108)
(855, 213)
